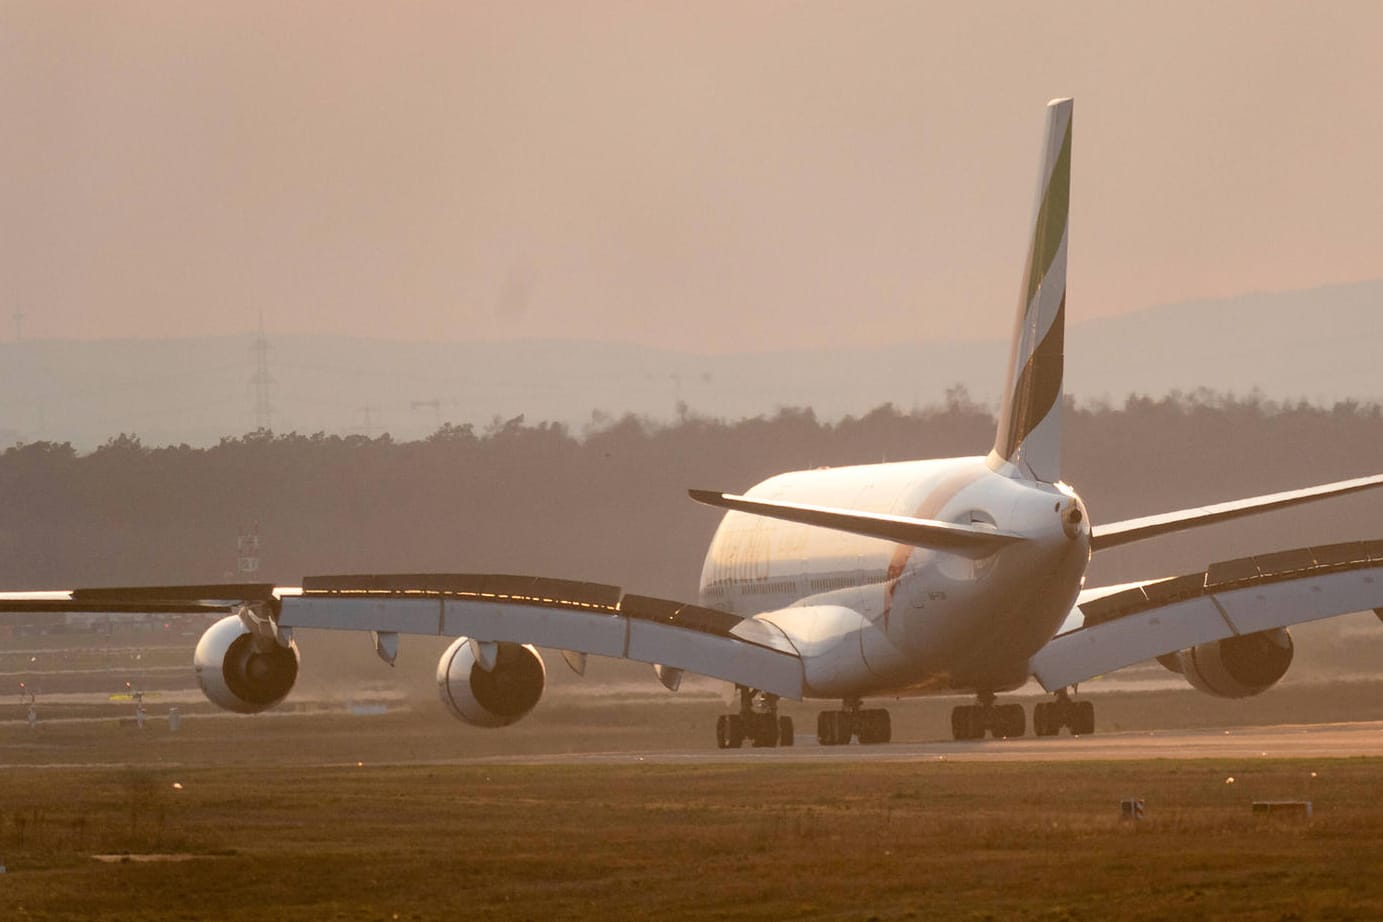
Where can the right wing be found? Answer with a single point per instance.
(577, 617)
(1117, 626)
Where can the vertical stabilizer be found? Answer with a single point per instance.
(1029, 436)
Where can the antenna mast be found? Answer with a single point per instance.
(264, 411)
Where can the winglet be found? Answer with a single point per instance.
(1029, 434)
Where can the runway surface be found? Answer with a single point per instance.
(1299, 741)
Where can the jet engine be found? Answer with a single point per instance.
(243, 672)
(490, 684)
(1236, 667)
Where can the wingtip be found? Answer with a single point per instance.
(709, 497)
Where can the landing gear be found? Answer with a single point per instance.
(757, 721)
(1049, 717)
(837, 728)
(729, 731)
(971, 721)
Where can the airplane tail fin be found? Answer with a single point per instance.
(1029, 436)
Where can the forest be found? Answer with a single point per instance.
(609, 503)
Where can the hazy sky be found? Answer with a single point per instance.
(710, 176)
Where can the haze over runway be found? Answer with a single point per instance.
(708, 178)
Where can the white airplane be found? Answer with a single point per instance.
(963, 575)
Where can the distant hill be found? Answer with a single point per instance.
(1321, 345)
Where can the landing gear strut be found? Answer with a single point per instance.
(1049, 717)
(971, 721)
(757, 721)
(870, 725)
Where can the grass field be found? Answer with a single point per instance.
(920, 841)
(306, 814)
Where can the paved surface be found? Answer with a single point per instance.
(1279, 742)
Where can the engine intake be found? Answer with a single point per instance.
(496, 697)
(241, 672)
(1238, 667)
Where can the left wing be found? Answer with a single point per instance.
(575, 617)
(1118, 626)
(567, 615)
(163, 600)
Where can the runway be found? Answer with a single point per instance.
(1296, 741)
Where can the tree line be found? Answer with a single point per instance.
(609, 503)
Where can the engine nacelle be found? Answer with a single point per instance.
(495, 697)
(1238, 667)
(243, 673)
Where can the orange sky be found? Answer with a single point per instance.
(710, 177)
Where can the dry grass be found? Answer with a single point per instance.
(726, 841)
(277, 835)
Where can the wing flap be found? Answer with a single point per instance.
(1242, 596)
(944, 536)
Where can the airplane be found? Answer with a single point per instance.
(952, 576)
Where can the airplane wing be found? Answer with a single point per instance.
(1117, 626)
(575, 617)
(946, 536)
(1103, 537)
(567, 615)
(213, 598)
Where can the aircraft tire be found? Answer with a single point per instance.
(1010, 721)
(765, 733)
(1083, 718)
(875, 726)
(967, 722)
(734, 731)
(785, 737)
(723, 731)
(833, 728)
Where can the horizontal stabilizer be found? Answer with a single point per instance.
(1104, 537)
(966, 540)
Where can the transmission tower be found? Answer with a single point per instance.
(264, 412)
(247, 552)
(368, 413)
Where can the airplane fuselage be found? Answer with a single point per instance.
(870, 616)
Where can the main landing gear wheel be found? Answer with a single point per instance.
(870, 725)
(1049, 717)
(757, 721)
(729, 731)
(1003, 721)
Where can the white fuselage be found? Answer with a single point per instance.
(870, 616)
